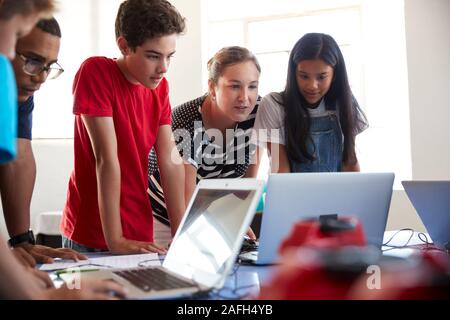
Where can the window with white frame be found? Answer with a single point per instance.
(371, 35)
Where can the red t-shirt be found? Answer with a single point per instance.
(100, 89)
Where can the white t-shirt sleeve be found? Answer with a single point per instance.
(269, 126)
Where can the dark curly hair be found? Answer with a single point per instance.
(140, 20)
(50, 26)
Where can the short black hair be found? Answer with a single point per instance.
(141, 20)
(50, 26)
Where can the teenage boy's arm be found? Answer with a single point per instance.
(172, 176)
(17, 183)
(15, 282)
(104, 144)
(17, 180)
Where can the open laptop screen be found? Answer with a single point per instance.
(431, 199)
(210, 232)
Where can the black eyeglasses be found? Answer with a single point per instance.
(34, 67)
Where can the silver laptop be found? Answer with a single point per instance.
(431, 199)
(205, 246)
(295, 196)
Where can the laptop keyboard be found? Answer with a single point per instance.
(148, 279)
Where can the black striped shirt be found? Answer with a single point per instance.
(210, 159)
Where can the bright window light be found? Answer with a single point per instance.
(374, 52)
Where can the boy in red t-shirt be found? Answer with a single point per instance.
(121, 111)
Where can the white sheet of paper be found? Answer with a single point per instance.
(106, 262)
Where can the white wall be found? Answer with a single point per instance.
(428, 52)
(185, 73)
(428, 45)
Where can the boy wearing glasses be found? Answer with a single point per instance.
(34, 63)
(17, 18)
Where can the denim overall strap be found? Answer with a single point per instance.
(326, 145)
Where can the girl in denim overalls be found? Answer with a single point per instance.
(311, 126)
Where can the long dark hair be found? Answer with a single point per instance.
(297, 120)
